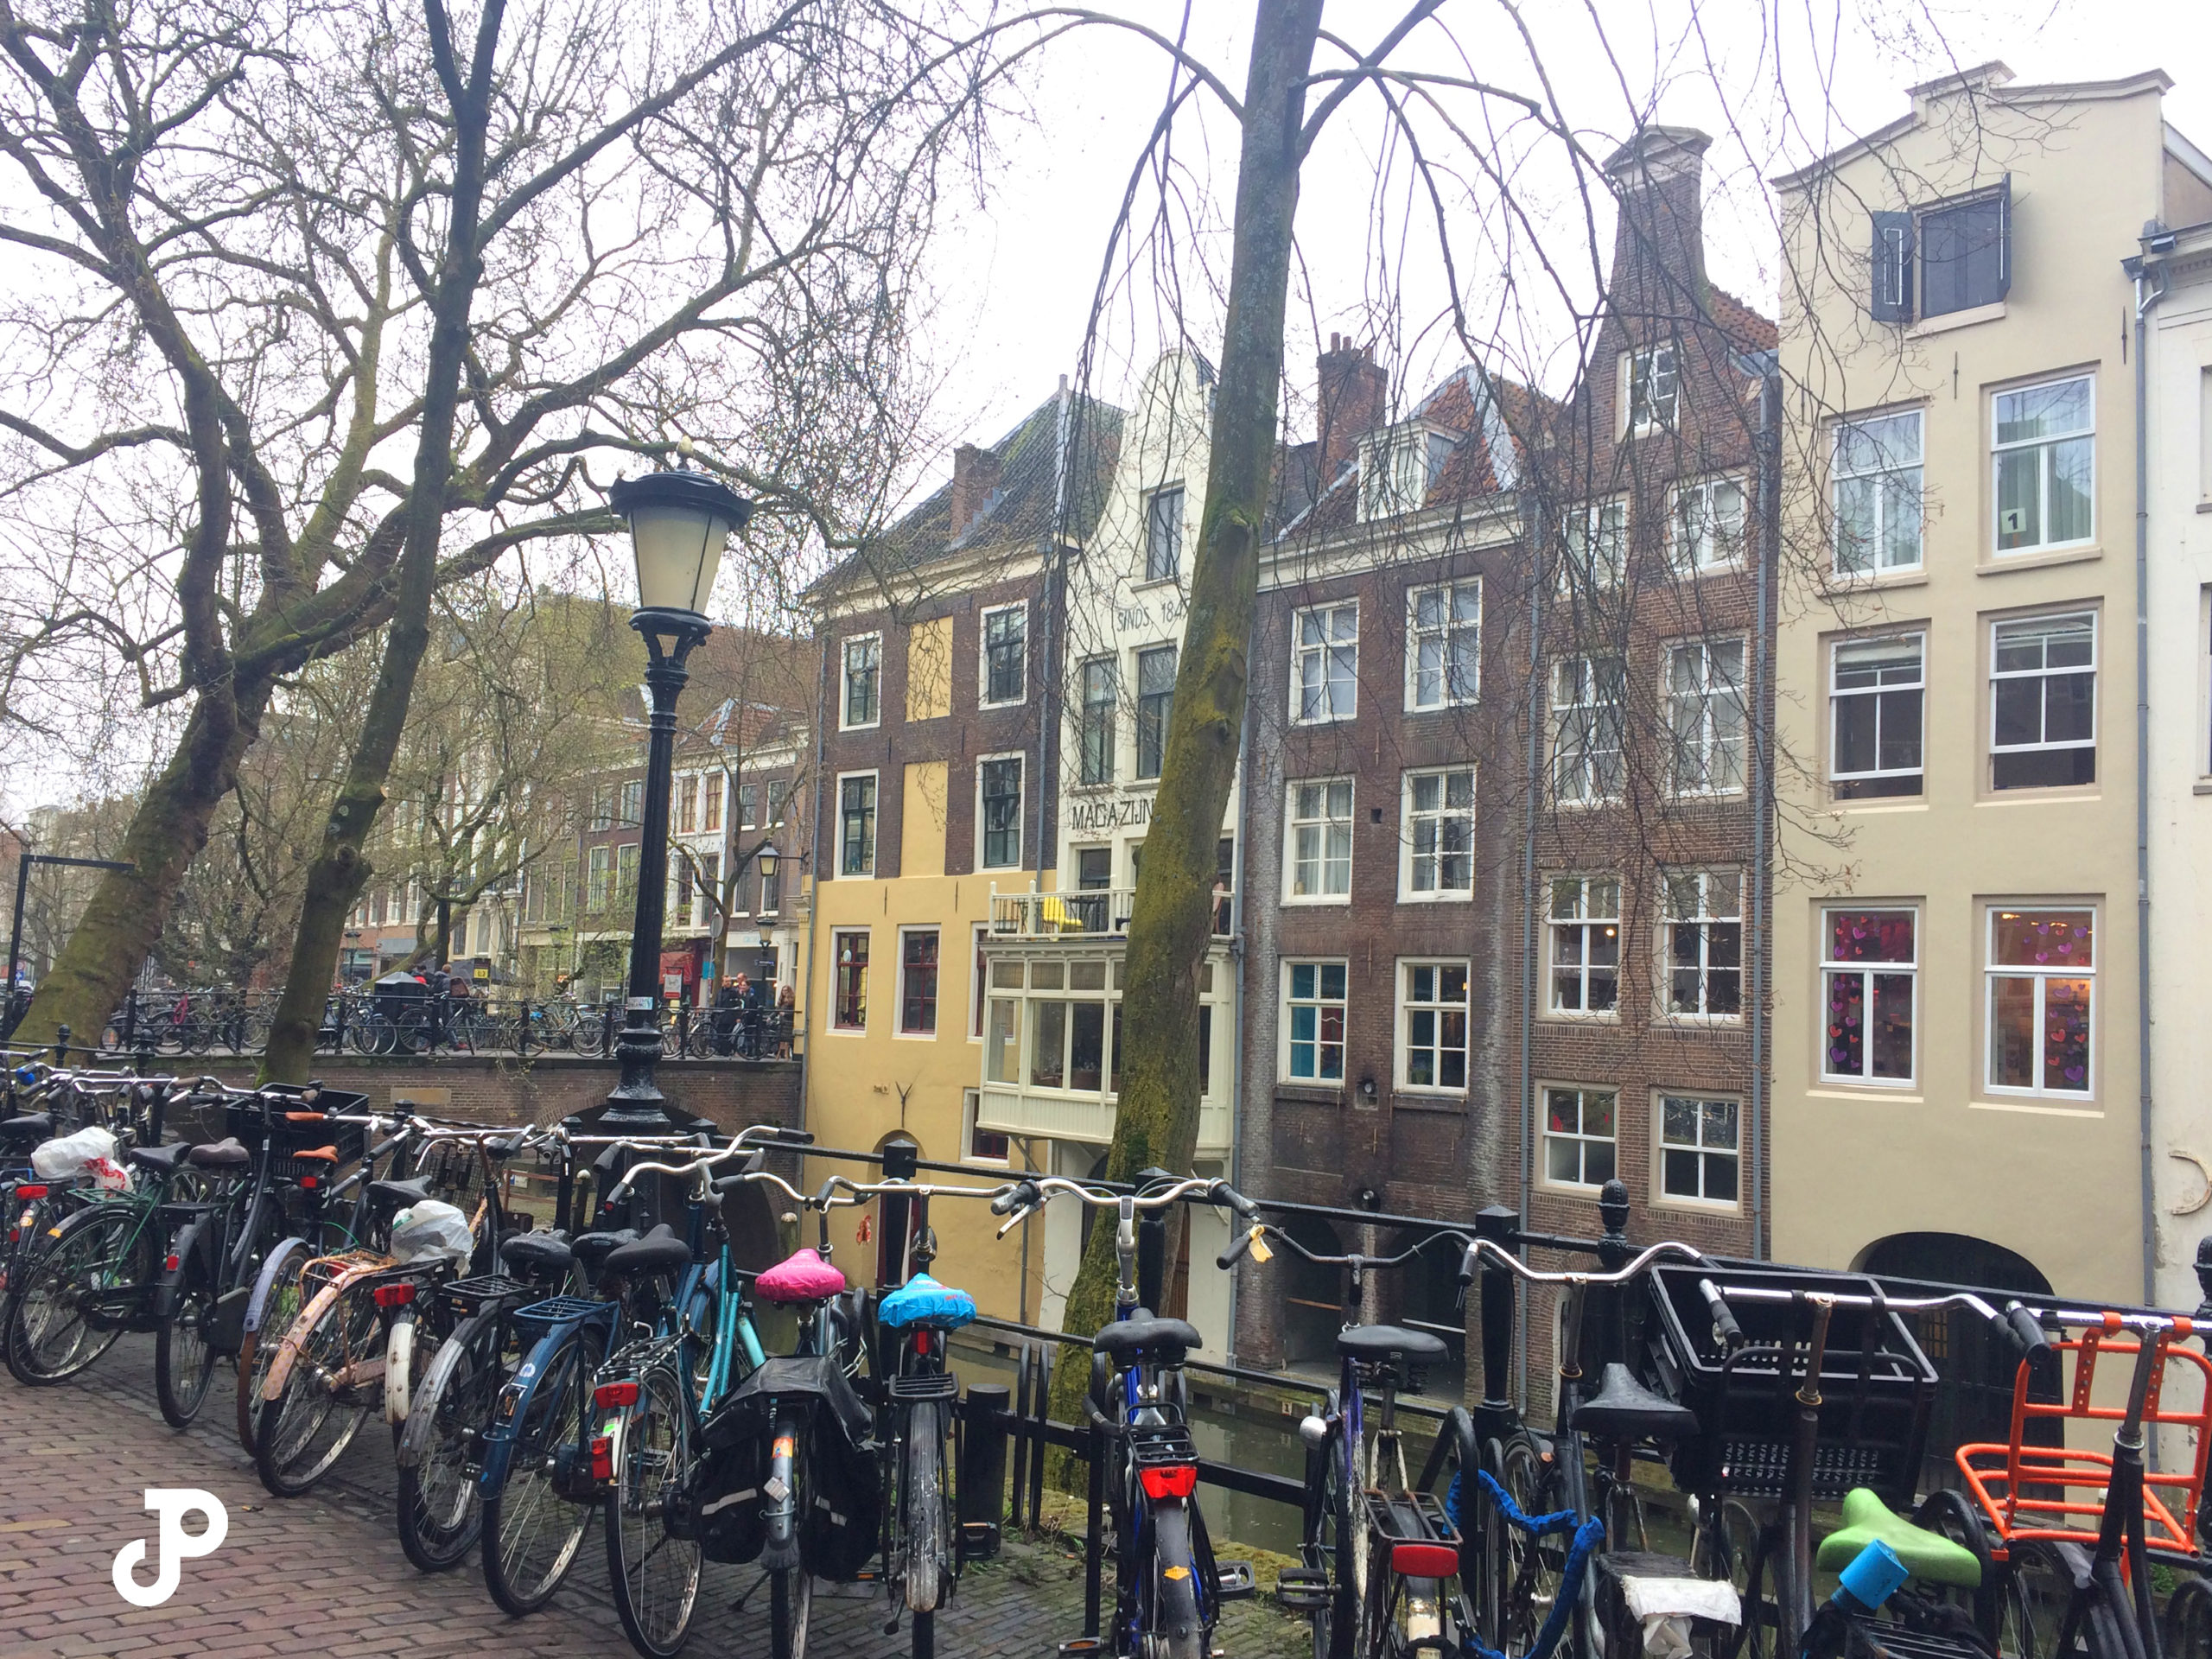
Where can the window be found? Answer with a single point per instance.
(1705, 716)
(779, 795)
(1585, 954)
(918, 982)
(1155, 699)
(1703, 918)
(748, 806)
(863, 673)
(850, 956)
(1315, 1000)
(1878, 499)
(713, 803)
(1163, 534)
(1875, 698)
(2044, 443)
(1594, 551)
(1586, 729)
(999, 789)
(626, 874)
(595, 882)
(980, 1145)
(1099, 694)
(857, 812)
(1326, 662)
(980, 963)
(1699, 1148)
(2042, 701)
(1433, 1014)
(687, 804)
(1579, 1148)
(1654, 389)
(1094, 868)
(2042, 982)
(1707, 525)
(1006, 659)
(633, 803)
(1963, 255)
(1867, 971)
(1444, 639)
(1439, 834)
(1320, 839)
(1398, 468)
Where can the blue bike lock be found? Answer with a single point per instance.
(1874, 1578)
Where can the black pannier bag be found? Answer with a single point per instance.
(843, 1486)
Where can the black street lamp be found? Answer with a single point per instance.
(679, 522)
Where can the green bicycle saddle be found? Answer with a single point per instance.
(1928, 1556)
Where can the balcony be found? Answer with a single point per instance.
(1089, 913)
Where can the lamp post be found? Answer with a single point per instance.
(679, 522)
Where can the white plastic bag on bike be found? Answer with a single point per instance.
(430, 1231)
(87, 1152)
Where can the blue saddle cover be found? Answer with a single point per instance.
(922, 1300)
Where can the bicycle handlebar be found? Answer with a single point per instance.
(2023, 1325)
(759, 1136)
(1017, 1201)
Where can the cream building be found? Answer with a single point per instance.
(1959, 1087)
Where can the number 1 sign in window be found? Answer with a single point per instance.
(1867, 974)
(2041, 980)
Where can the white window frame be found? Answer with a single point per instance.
(1447, 634)
(1579, 1136)
(1700, 883)
(1328, 646)
(1399, 466)
(845, 721)
(867, 995)
(1586, 919)
(979, 979)
(1020, 808)
(874, 838)
(2093, 668)
(1409, 823)
(899, 1006)
(1173, 650)
(1318, 1001)
(1660, 1146)
(1588, 755)
(1998, 451)
(1710, 692)
(1635, 422)
(1891, 467)
(1585, 532)
(1867, 970)
(1085, 704)
(1292, 821)
(984, 657)
(1875, 693)
(971, 1106)
(1706, 547)
(1174, 571)
(2041, 975)
(1402, 1049)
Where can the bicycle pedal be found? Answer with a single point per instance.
(1236, 1582)
(1302, 1589)
(979, 1541)
(1083, 1647)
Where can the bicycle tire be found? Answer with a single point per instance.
(1174, 1626)
(921, 1498)
(791, 1609)
(532, 1534)
(654, 1573)
(184, 1365)
(2185, 1632)
(46, 1335)
(439, 1509)
(1528, 1569)
(306, 1428)
(281, 1302)
(1334, 1622)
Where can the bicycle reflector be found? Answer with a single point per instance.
(608, 1394)
(399, 1295)
(1415, 1560)
(602, 1455)
(1169, 1479)
(308, 1183)
(171, 1262)
(30, 1190)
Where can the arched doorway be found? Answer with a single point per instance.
(1313, 1297)
(1426, 1297)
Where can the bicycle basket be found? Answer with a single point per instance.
(1876, 1387)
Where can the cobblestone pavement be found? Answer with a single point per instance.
(324, 1575)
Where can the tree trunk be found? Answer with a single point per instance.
(129, 908)
(1156, 1122)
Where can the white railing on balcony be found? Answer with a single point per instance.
(1005, 1110)
(1088, 912)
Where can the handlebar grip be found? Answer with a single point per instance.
(1238, 1246)
(795, 1137)
(1468, 1258)
(1243, 1206)
(1020, 1196)
(730, 1183)
(2027, 1332)
(1731, 1334)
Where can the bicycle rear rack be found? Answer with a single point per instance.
(467, 1296)
(1413, 1528)
(558, 1310)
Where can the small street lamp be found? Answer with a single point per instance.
(680, 521)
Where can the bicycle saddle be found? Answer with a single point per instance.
(1375, 1343)
(802, 1276)
(1624, 1409)
(37, 1126)
(396, 1193)
(593, 1248)
(537, 1256)
(923, 1301)
(160, 1160)
(1927, 1555)
(656, 1252)
(227, 1153)
(1148, 1337)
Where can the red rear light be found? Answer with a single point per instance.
(394, 1295)
(308, 1183)
(1169, 1480)
(602, 1458)
(33, 1190)
(173, 1263)
(614, 1393)
(1420, 1560)
(921, 1340)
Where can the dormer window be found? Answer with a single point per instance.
(1654, 389)
(1398, 467)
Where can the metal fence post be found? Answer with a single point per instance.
(1042, 1399)
(982, 1470)
(1021, 1370)
(1496, 1415)
(62, 1046)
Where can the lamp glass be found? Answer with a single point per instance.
(767, 858)
(678, 550)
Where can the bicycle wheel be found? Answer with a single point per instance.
(2186, 1631)
(184, 1365)
(278, 1291)
(440, 1511)
(2039, 1585)
(790, 1605)
(532, 1533)
(1525, 1571)
(324, 1397)
(47, 1339)
(655, 1574)
(1171, 1581)
(1341, 1550)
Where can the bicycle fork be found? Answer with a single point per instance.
(781, 1488)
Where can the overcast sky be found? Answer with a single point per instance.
(1016, 277)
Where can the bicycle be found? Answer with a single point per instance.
(1168, 1590)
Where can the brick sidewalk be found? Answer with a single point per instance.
(324, 1574)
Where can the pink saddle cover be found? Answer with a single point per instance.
(804, 1278)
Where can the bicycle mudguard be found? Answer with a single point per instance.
(192, 1240)
(398, 1365)
(415, 1435)
(288, 1351)
(513, 1405)
(272, 1267)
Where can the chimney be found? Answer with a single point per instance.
(1352, 388)
(974, 476)
(1659, 241)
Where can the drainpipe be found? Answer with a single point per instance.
(1235, 1049)
(1532, 792)
(1767, 365)
(814, 898)
(1051, 556)
(2155, 239)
